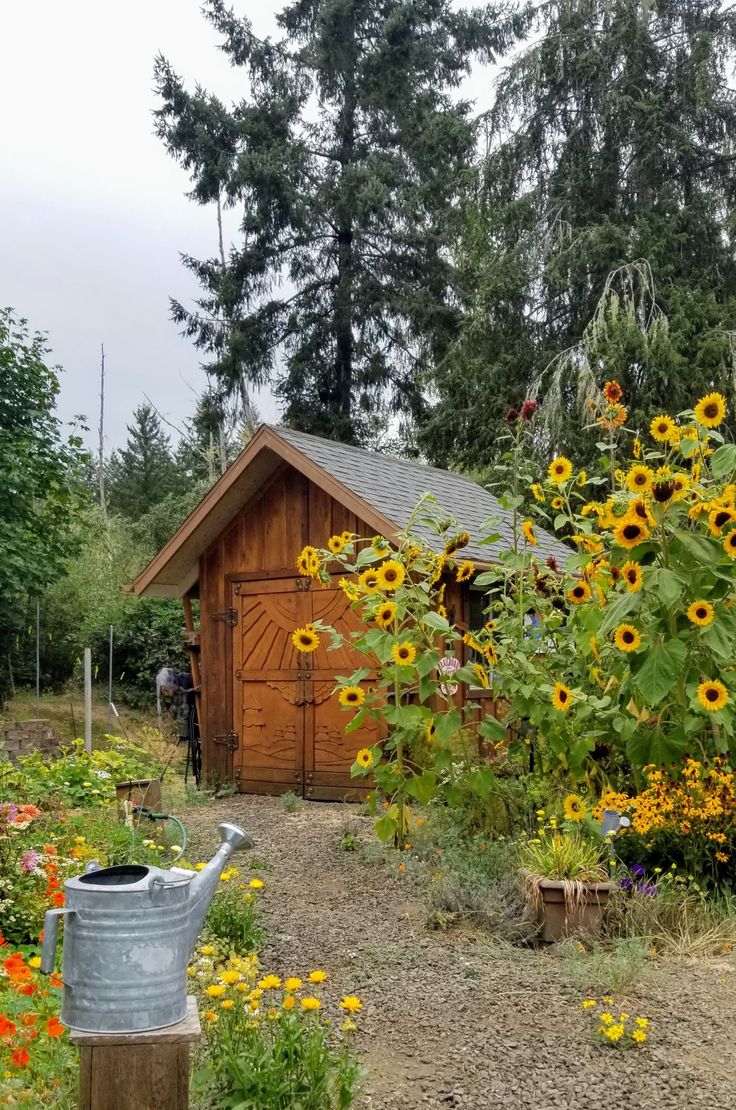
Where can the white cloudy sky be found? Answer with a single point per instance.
(93, 212)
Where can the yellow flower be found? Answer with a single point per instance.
(391, 574)
(607, 1019)
(537, 492)
(639, 479)
(701, 613)
(207, 950)
(307, 562)
(642, 1022)
(589, 1003)
(227, 1004)
(557, 503)
(614, 417)
(346, 537)
(581, 479)
(269, 982)
(528, 529)
(710, 410)
(351, 1003)
(662, 428)
(729, 544)
(718, 517)
(560, 470)
(575, 808)
(310, 1003)
(289, 1002)
(430, 730)
(627, 638)
(465, 571)
(613, 392)
(636, 448)
(379, 544)
(615, 1032)
(293, 983)
(364, 757)
(317, 976)
(462, 539)
(210, 1015)
(305, 639)
(712, 695)
(369, 581)
(578, 593)
(336, 544)
(351, 696)
(638, 1036)
(561, 697)
(230, 976)
(481, 675)
(633, 576)
(216, 990)
(256, 884)
(385, 614)
(630, 532)
(404, 653)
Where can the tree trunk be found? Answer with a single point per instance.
(343, 305)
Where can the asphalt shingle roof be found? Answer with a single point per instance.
(394, 485)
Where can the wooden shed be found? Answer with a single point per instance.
(267, 719)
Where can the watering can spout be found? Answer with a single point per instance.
(204, 884)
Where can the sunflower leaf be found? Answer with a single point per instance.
(659, 671)
(723, 460)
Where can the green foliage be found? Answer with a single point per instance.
(348, 157)
(143, 472)
(232, 918)
(290, 802)
(618, 967)
(564, 855)
(76, 777)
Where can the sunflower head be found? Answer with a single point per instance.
(385, 614)
(336, 544)
(712, 695)
(627, 638)
(729, 544)
(615, 417)
(578, 593)
(364, 758)
(481, 675)
(613, 392)
(462, 539)
(369, 581)
(404, 653)
(701, 613)
(351, 696)
(307, 563)
(560, 470)
(663, 429)
(465, 571)
(718, 518)
(391, 574)
(710, 410)
(632, 575)
(528, 529)
(630, 532)
(574, 807)
(639, 478)
(561, 697)
(305, 639)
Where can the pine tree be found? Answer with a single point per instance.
(612, 149)
(347, 155)
(143, 473)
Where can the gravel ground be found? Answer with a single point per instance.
(452, 1019)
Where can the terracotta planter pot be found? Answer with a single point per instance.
(558, 915)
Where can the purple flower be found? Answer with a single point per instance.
(637, 870)
(627, 883)
(29, 861)
(646, 888)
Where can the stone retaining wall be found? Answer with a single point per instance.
(23, 737)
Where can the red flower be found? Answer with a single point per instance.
(55, 981)
(511, 416)
(2, 939)
(58, 898)
(20, 1057)
(7, 1028)
(528, 409)
(28, 989)
(29, 1019)
(54, 1028)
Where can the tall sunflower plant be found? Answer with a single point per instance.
(642, 625)
(410, 649)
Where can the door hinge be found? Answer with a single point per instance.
(231, 741)
(230, 617)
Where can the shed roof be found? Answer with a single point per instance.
(381, 489)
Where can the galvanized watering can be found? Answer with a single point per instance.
(128, 936)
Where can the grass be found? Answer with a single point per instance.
(681, 920)
(65, 713)
(613, 969)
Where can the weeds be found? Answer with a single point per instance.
(606, 969)
(290, 802)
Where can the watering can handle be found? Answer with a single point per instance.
(50, 933)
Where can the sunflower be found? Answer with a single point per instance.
(305, 639)
(431, 730)
(390, 575)
(639, 510)
(351, 591)
(351, 696)
(718, 517)
(437, 569)
(560, 470)
(481, 675)
(465, 571)
(632, 575)
(561, 697)
(701, 613)
(379, 544)
(346, 537)
(615, 417)
(574, 807)
(404, 653)
(712, 695)
(627, 638)
(385, 614)
(682, 484)
(369, 581)
(462, 539)
(613, 392)
(630, 532)
(336, 544)
(581, 479)
(364, 757)
(557, 503)
(307, 562)
(528, 529)
(662, 428)
(729, 544)
(636, 448)
(537, 493)
(639, 478)
(710, 410)
(578, 593)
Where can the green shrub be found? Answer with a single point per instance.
(233, 918)
(75, 777)
(290, 802)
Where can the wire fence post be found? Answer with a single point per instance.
(88, 699)
(109, 686)
(38, 659)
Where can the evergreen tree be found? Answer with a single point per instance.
(612, 150)
(347, 155)
(143, 472)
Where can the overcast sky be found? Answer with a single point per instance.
(93, 212)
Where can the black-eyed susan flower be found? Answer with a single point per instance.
(574, 807)
(662, 428)
(465, 571)
(352, 697)
(701, 613)
(729, 543)
(307, 563)
(364, 758)
(639, 478)
(528, 529)
(336, 544)
(391, 574)
(560, 470)
(633, 576)
(404, 653)
(712, 695)
(305, 639)
(627, 638)
(710, 410)
(369, 581)
(561, 697)
(613, 392)
(718, 518)
(462, 539)
(630, 532)
(385, 614)
(578, 593)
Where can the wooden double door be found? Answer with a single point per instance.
(290, 726)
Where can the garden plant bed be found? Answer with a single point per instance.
(456, 1019)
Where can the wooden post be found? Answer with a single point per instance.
(137, 1071)
(88, 699)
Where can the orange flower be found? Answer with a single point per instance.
(54, 1028)
(58, 898)
(50, 850)
(20, 1057)
(29, 1019)
(7, 1028)
(55, 981)
(613, 392)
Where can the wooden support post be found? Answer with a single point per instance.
(88, 699)
(192, 645)
(137, 1071)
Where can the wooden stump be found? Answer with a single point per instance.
(137, 1071)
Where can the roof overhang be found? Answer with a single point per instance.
(175, 569)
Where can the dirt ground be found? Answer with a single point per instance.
(455, 1019)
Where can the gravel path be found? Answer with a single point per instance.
(452, 1019)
